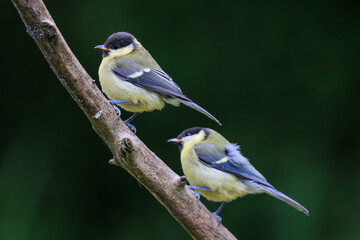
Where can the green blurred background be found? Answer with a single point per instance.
(283, 78)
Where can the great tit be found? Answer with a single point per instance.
(217, 170)
(133, 80)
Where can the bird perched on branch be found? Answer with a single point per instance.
(133, 80)
(217, 170)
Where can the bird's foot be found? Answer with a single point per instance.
(217, 212)
(119, 101)
(197, 195)
(132, 127)
(117, 109)
(217, 216)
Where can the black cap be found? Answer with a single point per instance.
(193, 131)
(119, 40)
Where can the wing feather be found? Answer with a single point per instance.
(237, 164)
(154, 80)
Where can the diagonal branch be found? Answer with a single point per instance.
(128, 150)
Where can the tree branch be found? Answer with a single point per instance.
(128, 150)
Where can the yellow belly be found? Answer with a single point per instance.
(224, 186)
(117, 89)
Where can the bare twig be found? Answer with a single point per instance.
(128, 150)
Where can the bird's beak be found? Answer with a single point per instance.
(102, 47)
(175, 140)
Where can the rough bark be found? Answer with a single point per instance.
(128, 150)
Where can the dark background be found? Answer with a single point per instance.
(283, 78)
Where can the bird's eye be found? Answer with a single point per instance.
(188, 134)
(115, 47)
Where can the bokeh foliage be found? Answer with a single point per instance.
(282, 77)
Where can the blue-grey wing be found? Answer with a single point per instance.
(229, 160)
(152, 79)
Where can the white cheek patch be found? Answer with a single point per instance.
(122, 51)
(194, 139)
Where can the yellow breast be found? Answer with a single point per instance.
(117, 89)
(224, 186)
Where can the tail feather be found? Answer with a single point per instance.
(279, 195)
(200, 109)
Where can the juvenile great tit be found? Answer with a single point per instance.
(133, 80)
(217, 170)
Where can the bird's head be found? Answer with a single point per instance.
(190, 137)
(120, 44)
